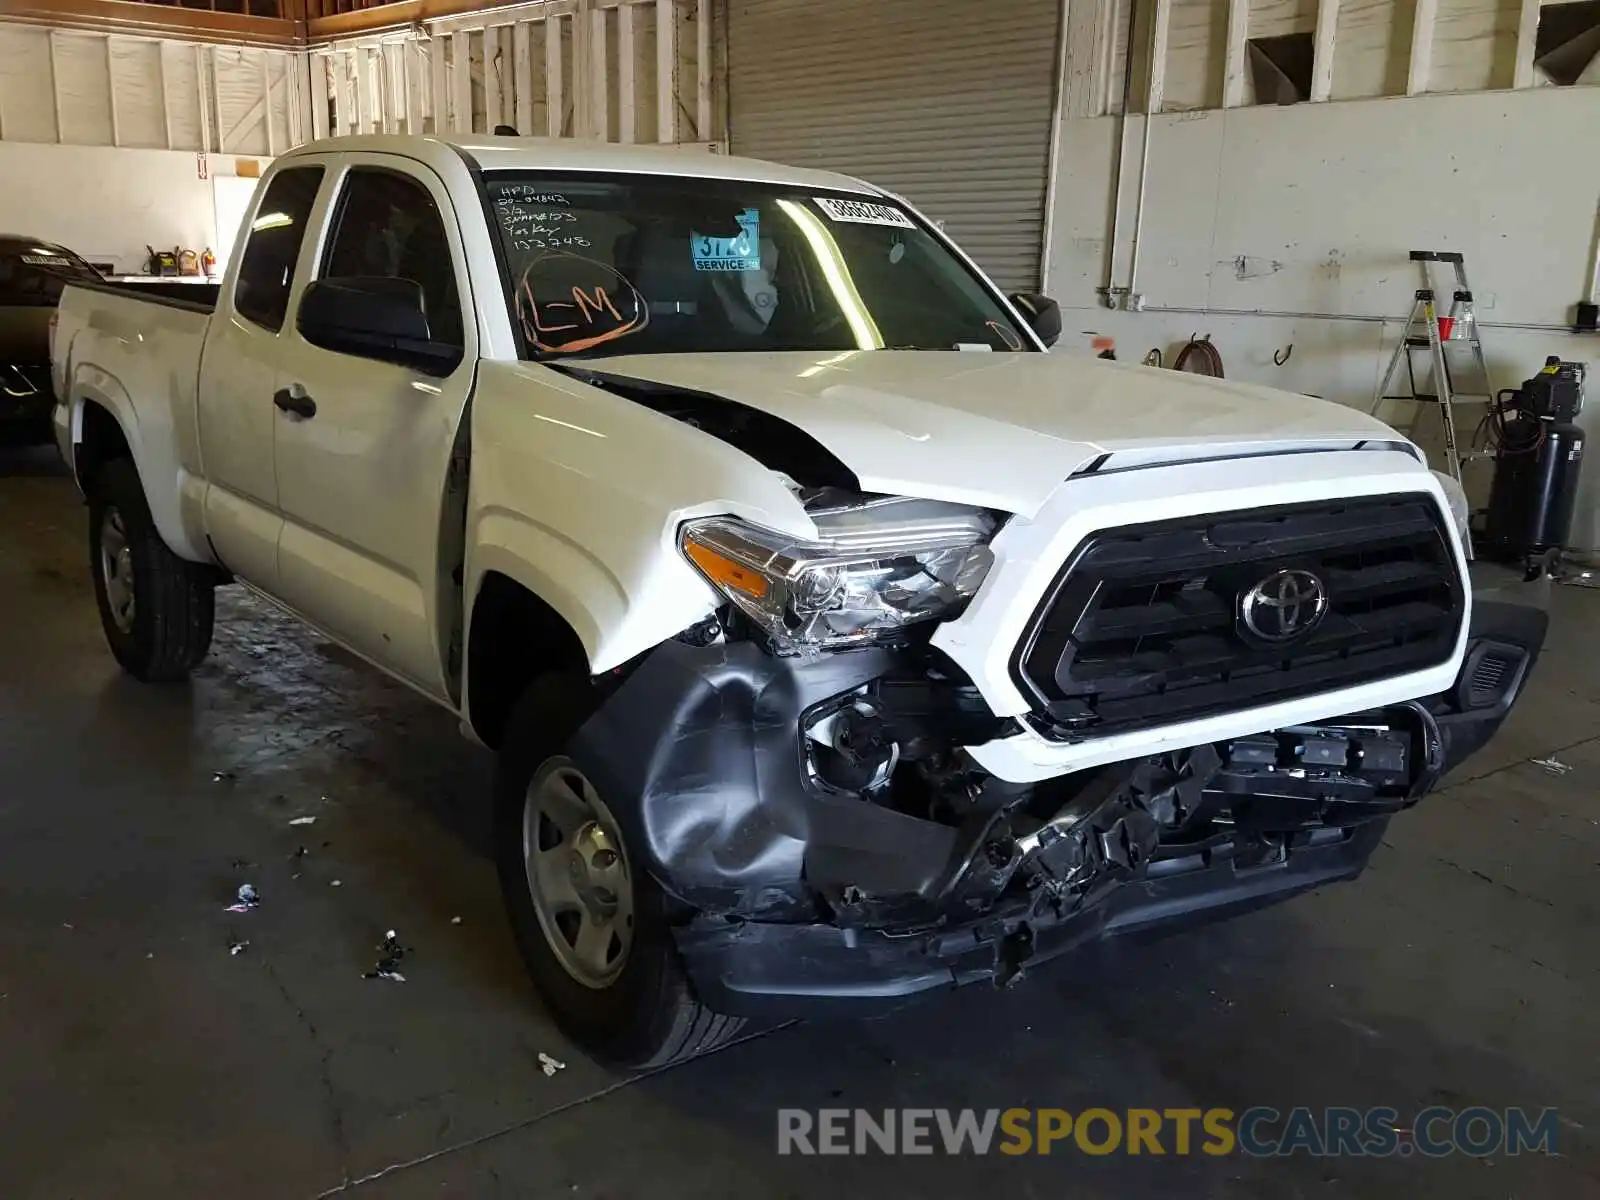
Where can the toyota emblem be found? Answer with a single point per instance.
(1286, 605)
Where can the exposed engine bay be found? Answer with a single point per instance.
(890, 744)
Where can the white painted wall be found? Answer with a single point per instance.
(1323, 201)
(108, 204)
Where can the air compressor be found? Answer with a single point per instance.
(1537, 461)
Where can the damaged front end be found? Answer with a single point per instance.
(795, 772)
(828, 843)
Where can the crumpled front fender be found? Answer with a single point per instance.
(699, 755)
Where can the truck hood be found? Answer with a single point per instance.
(1001, 430)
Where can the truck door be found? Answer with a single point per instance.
(238, 370)
(366, 432)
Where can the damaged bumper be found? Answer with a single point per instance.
(808, 885)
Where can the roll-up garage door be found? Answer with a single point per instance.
(947, 102)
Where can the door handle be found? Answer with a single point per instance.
(295, 402)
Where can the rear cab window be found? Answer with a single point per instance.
(266, 269)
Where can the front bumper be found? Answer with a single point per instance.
(758, 969)
(715, 799)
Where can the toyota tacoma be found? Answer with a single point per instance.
(838, 643)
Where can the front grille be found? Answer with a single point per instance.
(1143, 625)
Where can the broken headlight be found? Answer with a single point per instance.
(877, 566)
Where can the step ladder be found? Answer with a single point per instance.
(1426, 331)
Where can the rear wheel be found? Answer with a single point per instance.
(590, 922)
(157, 609)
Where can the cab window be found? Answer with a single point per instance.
(266, 269)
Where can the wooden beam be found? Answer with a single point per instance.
(552, 76)
(599, 78)
(266, 96)
(317, 65)
(111, 94)
(627, 76)
(216, 96)
(1161, 26)
(152, 20)
(1527, 37)
(397, 16)
(200, 98)
(55, 84)
(491, 78)
(439, 88)
(1421, 47)
(355, 120)
(666, 72)
(411, 71)
(461, 81)
(1084, 84)
(344, 109)
(296, 99)
(166, 100)
(1322, 49)
(522, 66)
(702, 70)
(394, 95)
(1233, 64)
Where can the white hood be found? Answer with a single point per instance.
(1002, 430)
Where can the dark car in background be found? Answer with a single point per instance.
(32, 274)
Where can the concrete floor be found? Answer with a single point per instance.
(139, 1058)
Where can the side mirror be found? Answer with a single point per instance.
(1042, 313)
(374, 317)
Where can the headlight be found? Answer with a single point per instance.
(877, 567)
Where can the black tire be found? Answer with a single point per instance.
(648, 1017)
(174, 599)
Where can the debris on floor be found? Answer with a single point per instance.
(1552, 765)
(389, 965)
(455, 920)
(248, 899)
(223, 777)
(550, 1065)
(236, 947)
(302, 821)
(298, 858)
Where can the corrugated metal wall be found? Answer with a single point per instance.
(947, 102)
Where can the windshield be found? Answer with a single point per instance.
(659, 264)
(36, 274)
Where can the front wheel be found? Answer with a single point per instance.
(590, 922)
(157, 609)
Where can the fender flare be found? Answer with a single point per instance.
(582, 591)
(154, 460)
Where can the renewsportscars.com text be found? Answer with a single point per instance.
(1258, 1132)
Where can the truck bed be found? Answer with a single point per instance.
(201, 297)
(137, 355)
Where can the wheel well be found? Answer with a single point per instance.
(101, 441)
(515, 636)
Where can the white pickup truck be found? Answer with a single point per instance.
(837, 642)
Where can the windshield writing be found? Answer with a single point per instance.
(647, 264)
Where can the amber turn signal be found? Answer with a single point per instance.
(723, 570)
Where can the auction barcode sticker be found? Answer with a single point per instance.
(864, 212)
